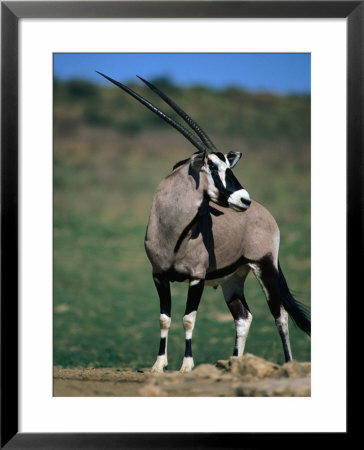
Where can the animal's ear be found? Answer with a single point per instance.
(233, 158)
(197, 161)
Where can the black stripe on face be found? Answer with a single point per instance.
(221, 156)
(232, 183)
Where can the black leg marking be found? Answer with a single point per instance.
(164, 292)
(239, 308)
(194, 296)
(233, 290)
(162, 346)
(267, 276)
(193, 300)
(188, 351)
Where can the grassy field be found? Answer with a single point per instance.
(106, 309)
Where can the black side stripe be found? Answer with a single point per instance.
(226, 270)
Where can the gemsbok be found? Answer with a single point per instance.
(204, 229)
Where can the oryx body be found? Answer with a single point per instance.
(204, 229)
(205, 241)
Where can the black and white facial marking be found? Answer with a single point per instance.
(224, 188)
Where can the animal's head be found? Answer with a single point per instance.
(223, 187)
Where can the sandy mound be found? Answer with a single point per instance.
(248, 376)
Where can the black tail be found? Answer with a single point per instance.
(298, 312)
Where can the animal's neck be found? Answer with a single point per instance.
(177, 207)
(185, 194)
(179, 198)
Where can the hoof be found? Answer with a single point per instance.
(157, 369)
(187, 365)
(160, 364)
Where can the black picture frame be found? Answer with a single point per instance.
(11, 12)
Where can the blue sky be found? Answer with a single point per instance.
(277, 72)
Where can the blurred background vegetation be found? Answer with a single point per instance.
(110, 153)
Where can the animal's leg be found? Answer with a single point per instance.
(233, 290)
(193, 300)
(164, 292)
(267, 275)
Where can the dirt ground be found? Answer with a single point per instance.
(248, 376)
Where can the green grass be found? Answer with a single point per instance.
(106, 309)
(109, 156)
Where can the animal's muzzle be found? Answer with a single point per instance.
(246, 203)
(239, 200)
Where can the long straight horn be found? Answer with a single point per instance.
(202, 135)
(187, 134)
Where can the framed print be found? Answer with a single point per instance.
(43, 300)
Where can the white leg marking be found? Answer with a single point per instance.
(164, 323)
(282, 320)
(188, 325)
(187, 364)
(258, 273)
(162, 360)
(242, 330)
(282, 325)
(160, 364)
(234, 288)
